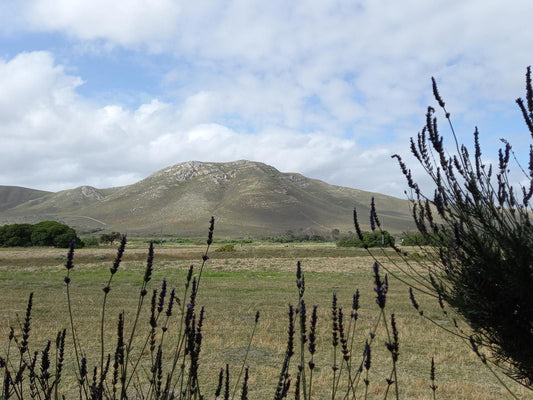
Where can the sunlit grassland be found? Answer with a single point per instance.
(233, 287)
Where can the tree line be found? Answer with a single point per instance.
(45, 233)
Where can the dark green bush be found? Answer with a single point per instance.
(45, 233)
(418, 239)
(16, 235)
(227, 248)
(110, 238)
(368, 240)
(480, 224)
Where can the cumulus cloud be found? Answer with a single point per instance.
(327, 89)
(54, 139)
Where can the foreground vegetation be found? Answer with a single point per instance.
(234, 286)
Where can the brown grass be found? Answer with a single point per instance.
(234, 286)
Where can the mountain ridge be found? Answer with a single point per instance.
(247, 199)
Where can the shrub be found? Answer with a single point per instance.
(109, 238)
(367, 240)
(91, 241)
(227, 248)
(480, 225)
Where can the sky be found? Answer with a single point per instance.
(105, 93)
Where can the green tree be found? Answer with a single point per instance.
(109, 238)
(53, 233)
(16, 235)
(481, 225)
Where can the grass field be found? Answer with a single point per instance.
(233, 287)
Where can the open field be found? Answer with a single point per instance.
(233, 287)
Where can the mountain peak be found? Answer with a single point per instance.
(247, 198)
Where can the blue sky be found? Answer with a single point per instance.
(105, 93)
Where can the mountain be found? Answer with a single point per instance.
(11, 196)
(246, 198)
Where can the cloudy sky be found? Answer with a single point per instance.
(103, 93)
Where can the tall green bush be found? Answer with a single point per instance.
(480, 223)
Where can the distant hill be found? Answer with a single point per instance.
(12, 196)
(247, 199)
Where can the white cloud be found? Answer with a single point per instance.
(58, 146)
(311, 87)
(122, 22)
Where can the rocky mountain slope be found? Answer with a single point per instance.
(246, 198)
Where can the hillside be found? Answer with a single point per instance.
(11, 196)
(246, 198)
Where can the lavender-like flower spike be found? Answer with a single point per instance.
(171, 302)
(83, 370)
(368, 356)
(162, 296)
(312, 333)
(226, 384)
(153, 320)
(432, 376)
(300, 279)
(119, 352)
(220, 380)
(297, 384)
(343, 338)
(356, 224)
(244, 393)
(381, 287)
(194, 291)
(189, 276)
(436, 93)
(355, 305)
(290, 331)
(211, 229)
(118, 258)
(70, 255)
(45, 362)
(414, 302)
(394, 347)
(335, 318)
(26, 327)
(303, 319)
(355, 302)
(149, 263)
(374, 220)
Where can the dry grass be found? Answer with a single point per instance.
(234, 286)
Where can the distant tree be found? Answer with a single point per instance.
(335, 233)
(367, 240)
(53, 233)
(109, 238)
(46, 233)
(16, 235)
(418, 239)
